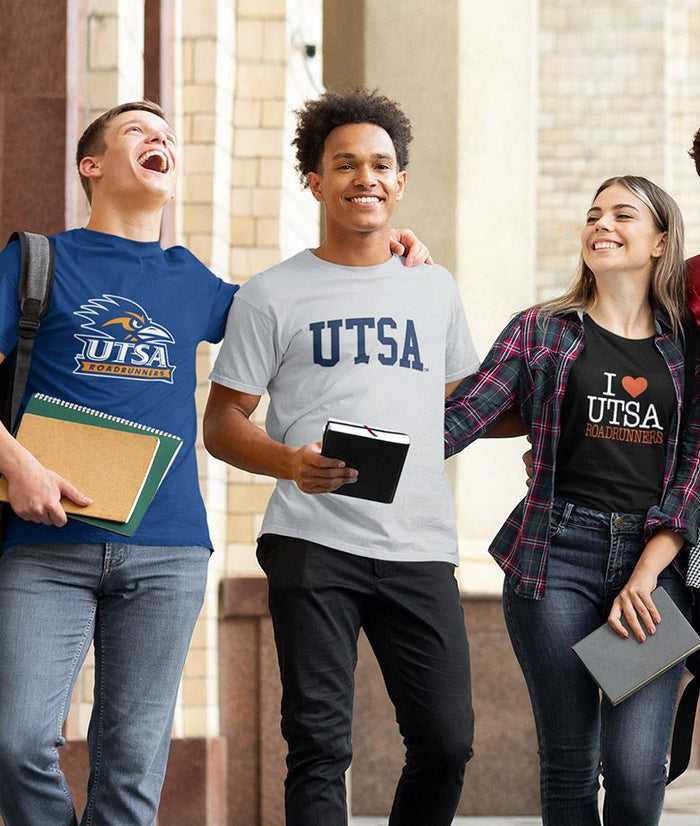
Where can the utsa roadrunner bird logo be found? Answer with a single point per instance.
(122, 341)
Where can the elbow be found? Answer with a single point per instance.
(212, 441)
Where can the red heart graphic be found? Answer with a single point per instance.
(635, 387)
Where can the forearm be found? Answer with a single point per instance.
(486, 396)
(230, 436)
(13, 457)
(659, 552)
(634, 601)
(511, 424)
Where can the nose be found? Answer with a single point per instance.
(158, 136)
(364, 175)
(602, 223)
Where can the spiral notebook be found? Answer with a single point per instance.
(118, 463)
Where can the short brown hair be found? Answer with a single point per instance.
(92, 141)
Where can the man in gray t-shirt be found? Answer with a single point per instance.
(346, 332)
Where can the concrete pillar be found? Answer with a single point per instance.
(496, 165)
(41, 106)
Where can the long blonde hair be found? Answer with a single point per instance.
(667, 291)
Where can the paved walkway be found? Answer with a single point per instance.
(682, 809)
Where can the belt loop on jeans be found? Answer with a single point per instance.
(567, 512)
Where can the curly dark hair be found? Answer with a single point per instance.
(322, 115)
(695, 151)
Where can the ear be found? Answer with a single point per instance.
(401, 180)
(660, 245)
(89, 167)
(315, 181)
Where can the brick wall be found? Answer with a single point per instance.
(618, 94)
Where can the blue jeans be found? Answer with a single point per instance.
(581, 736)
(410, 611)
(139, 605)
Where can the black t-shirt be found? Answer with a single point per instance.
(617, 408)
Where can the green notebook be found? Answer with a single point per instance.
(168, 445)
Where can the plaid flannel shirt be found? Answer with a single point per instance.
(528, 367)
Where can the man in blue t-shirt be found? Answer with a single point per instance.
(117, 305)
(121, 337)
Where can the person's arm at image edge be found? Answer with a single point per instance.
(34, 491)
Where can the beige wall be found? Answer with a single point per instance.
(618, 93)
(496, 171)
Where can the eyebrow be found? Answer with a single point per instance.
(615, 206)
(377, 156)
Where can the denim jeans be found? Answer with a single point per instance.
(410, 611)
(581, 736)
(138, 604)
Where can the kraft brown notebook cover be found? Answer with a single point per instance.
(109, 466)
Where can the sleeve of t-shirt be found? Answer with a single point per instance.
(221, 296)
(9, 304)
(249, 355)
(461, 358)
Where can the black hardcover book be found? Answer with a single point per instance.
(377, 455)
(622, 666)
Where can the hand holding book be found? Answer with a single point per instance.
(315, 473)
(635, 603)
(119, 464)
(622, 666)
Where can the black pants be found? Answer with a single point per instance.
(410, 611)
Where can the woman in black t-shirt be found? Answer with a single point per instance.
(598, 377)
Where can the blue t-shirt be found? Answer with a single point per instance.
(121, 336)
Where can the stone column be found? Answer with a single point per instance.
(496, 166)
(41, 105)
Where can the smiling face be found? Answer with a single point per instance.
(358, 180)
(139, 158)
(621, 234)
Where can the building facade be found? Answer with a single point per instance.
(520, 108)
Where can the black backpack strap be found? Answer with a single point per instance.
(34, 295)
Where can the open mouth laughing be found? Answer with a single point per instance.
(155, 159)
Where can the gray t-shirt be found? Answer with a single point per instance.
(374, 345)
